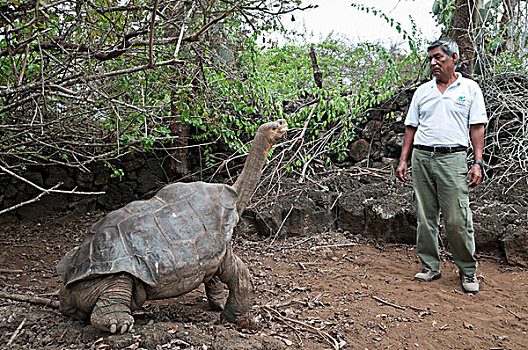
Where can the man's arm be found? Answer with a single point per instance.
(476, 132)
(408, 141)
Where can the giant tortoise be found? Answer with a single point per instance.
(164, 247)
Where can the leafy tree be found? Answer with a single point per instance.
(86, 81)
(491, 33)
(355, 78)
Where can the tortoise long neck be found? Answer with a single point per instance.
(249, 177)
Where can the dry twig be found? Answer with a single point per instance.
(16, 333)
(334, 246)
(310, 328)
(511, 312)
(388, 303)
(31, 299)
(280, 227)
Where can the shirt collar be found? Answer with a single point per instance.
(459, 78)
(456, 83)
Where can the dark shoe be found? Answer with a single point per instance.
(470, 283)
(427, 276)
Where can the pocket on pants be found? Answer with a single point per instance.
(464, 208)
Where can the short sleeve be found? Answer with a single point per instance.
(413, 114)
(477, 111)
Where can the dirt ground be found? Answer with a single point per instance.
(323, 291)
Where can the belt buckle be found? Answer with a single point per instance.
(443, 149)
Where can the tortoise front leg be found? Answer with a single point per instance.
(235, 274)
(112, 311)
(214, 289)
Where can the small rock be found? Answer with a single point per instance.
(468, 325)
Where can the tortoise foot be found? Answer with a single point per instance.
(112, 318)
(216, 295)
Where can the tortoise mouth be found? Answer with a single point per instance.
(283, 126)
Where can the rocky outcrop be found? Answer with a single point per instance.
(377, 211)
(381, 211)
(515, 245)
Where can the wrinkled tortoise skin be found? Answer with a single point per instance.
(171, 242)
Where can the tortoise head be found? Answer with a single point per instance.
(274, 131)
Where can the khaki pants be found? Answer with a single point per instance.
(440, 183)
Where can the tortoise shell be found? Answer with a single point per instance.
(171, 242)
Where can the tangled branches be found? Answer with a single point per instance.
(87, 81)
(506, 148)
(84, 82)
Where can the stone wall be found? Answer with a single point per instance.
(144, 174)
(379, 137)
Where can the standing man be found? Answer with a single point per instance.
(446, 113)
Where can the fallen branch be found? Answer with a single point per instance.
(388, 303)
(16, 333)
(511, 312)
(33, 299)
(367, 171)
(11, 270)
(313, 329)
(334, 246)
(298, 243)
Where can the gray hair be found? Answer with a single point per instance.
(448, 45)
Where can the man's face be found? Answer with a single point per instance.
(442, 65)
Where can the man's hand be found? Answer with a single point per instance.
(475, 175)
(477, 140)
(408, 139)
(401, 171)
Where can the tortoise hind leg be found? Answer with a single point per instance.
(112, 311)
(78, 300)
(214, 289)
(235, 274)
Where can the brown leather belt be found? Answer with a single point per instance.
(441, 149)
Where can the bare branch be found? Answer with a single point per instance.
(151, 37)
(47, 191)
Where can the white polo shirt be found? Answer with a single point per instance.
(444, 119)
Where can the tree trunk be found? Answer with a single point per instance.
(178, 164)
(462, 31)
(318, 76)
(179, 156)
(507, 17)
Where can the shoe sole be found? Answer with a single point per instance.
(469, 291)
(437, 277)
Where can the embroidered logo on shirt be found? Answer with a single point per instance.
(461, 100)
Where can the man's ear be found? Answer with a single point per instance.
(455, 56)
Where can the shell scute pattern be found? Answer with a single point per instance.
(169, 241)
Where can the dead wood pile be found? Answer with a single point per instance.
(506, 148)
